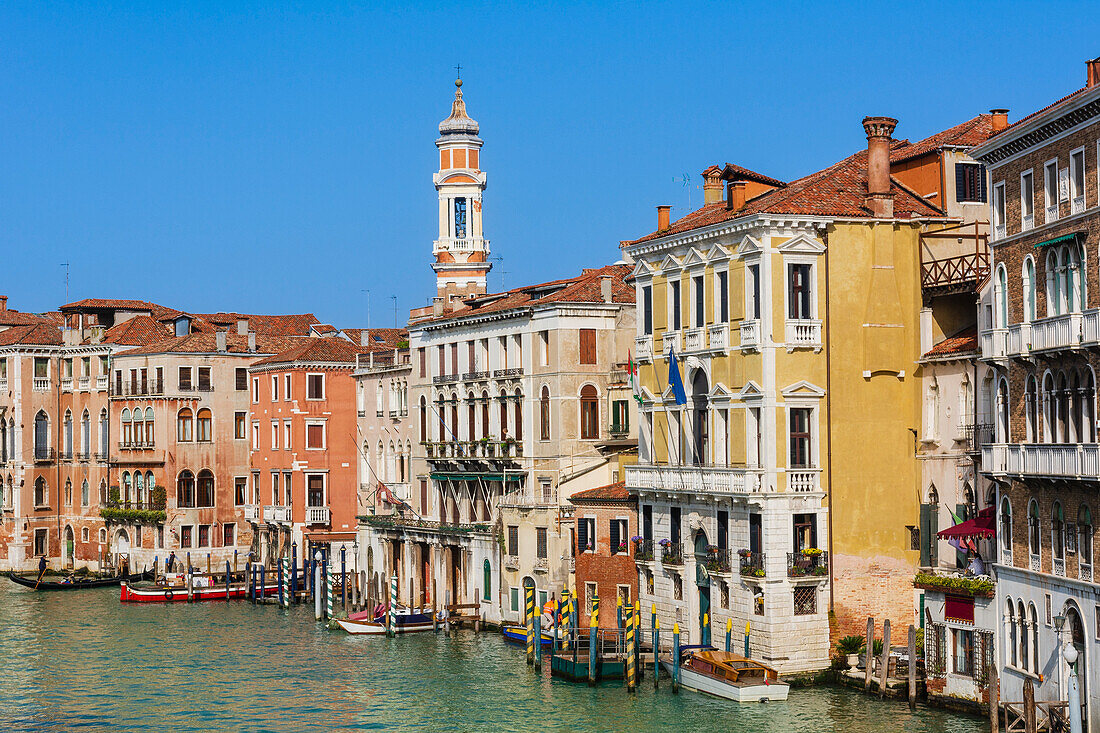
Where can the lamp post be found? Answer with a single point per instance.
(1059, 622)
(1073, 698)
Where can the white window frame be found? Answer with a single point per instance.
(810, 260)
(286, 388)
(696, 318)
(716, 296)
(255, 435)
(1027, 222)
(324, 487)
(1051, 164)
(751, 299)
(255, 390)
(287, 435)
(670, 302)
(324, 387)
(324, 434)
(1000, 229)
(274, 435)
(274, 387)
(815, 431)
(1074, 195)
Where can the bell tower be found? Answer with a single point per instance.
(461, 251)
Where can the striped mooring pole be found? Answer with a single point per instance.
(656, 651)
(593, 632)
(529, 622)
(318, 612)
(284, 563)
(675, 657)
(227, 579)
(565, 624)
(631, 671)
(729, 633)
(390, 630)
(330, 592)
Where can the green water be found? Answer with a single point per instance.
(82, 661)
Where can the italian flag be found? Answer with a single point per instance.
(632, 368)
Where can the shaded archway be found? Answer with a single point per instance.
(700, 389)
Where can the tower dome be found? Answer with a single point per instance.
(459, 123)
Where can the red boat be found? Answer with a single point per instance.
(176, 593)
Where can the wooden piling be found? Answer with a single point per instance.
(529, 622)
(1029, 706)
(593, 648)
(912, 667)
(994, 700)
(190, 586)
(675, 657)
(869, 655)
(656, 652)
(631, 670)
(208, 570)
(885, 671)
(538, 643)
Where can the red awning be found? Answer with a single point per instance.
(983, 525)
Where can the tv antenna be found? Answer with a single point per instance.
(394, 299)
(66, 266)
(685, 181)
(502, 272)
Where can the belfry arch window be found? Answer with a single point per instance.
(460, 217)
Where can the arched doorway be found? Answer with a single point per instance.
(70, 548)
(699, 397)
(487, 579)
(1077, 638)
(122, 548)
(702, 584)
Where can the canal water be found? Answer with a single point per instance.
(82, 661)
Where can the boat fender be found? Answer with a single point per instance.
(168, 594)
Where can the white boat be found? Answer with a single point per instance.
(403, 623)
(728, 675)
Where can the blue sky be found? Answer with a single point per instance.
(255, 158)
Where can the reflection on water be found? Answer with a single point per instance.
(82, 661)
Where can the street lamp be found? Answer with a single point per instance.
(1059, 622)
(1073, 698)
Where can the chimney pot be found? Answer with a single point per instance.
(3, 302)
(663, 217)
(879, 197)
(220, 339)
(735, 195)
(364, 337)
(251, 341)
(1092, 77)
(605, 288)
(242, 326)
(712, 185)
(1000, 119)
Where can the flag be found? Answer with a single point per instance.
(632, 368)
(674, 380)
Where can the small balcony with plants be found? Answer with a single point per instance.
(958, 584)
(672, 553)
(810, 563)
(718, 560)
(751, 563)
(643, 549)
(151, 511)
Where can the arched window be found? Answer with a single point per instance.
(68, 492)
(85, 497)
(139, 427)
(127, 487)
(102, 536)
(485, 414)
(3, 442)
(454, 416)
(1086, 400)
(471, 417)
(41, 436)
(1029, 289)
(544, 414)
(149, 426)
(503, 399)
(423, 420)
(590, 413)
(204, 426)
(1002, 411)
(184, 423)
(1084, 536)
(41, 492)
(1062, 401)
(1031, 409)
(103, 433)
(206, 489)
(185, 490)
(518, 416)
(1033, 623)
(126, 427)
(487, 581)
(102, 492)
(1033, 527)
(1021, 616)
(1054, 284)
(1074, 290)
(1058, 532)
(1006, 525)
(139, 488)
(391, 464)
(440, 408)
(1050, 409)
(1000, 298)
(1011, 645)
(68, 434)
(149, 486)
(408, 459)
(86, 434)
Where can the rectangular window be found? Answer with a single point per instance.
(205, 384)
(229, 534)
(805, 600)
(674, 305)
(620, 416)
(590, 594)
(969, 183)
(454, 358)
(798, 295)
(513, 595)
(586, 534)
(204, 535)
(544, 348)
(540, 543)
(647, 522)
(647, 310)
(617, 536)
(722, 296)
(41, 540)
(1027, 200)
(752, 288)
(286, 387)
(422, 357)
(460, 217)
(315, 386)
(275, 388)
(185, 536)
(999, 210)
(255, 436)
(315, 435)
(674, 525)
(1050, 190)
(700, 301)
(185, 379)
(240, 491)
(513, 540)
(800, 437)
(588, 346)
(275, 496)
(1077, 180)
(315, 490)
(255, 390)
(240, 379)
(287, 492)
(274, 435)
(286, 435)
(41, 367)
(239, 421)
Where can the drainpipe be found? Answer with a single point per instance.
(829, 413)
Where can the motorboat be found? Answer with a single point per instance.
(727, 675)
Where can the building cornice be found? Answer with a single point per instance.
(1045, 125)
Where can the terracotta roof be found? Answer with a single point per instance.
(964, 135)
(275, 325)
(38, 334)
(612, 492)
(964, 342)
(330, 350)
(323, 328)
(18, 318)
(838, 190)
(733, 172)
(137, 331)
(381, 339)
(585, 288)
(115, 304)
(1052, 105)
(206, 343)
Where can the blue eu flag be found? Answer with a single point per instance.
(674, 379)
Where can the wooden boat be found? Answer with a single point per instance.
(174, 591)
(516, 634)
(728, 675)
(78, 583)
(404, 622)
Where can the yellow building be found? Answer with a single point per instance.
(786, 487)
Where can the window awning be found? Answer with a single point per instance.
(983, 525)
(1071, 237)
(958, 608)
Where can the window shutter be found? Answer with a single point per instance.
(960, 182)
(614, 534)
(925, 525)
(980, 172)
(582, 536)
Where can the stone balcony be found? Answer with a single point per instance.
(750, 335)
(251, 512)
(277, 514)
(1065, 332)
(695, 479)
(1047, 460)
(671, 340)
(803, 334)
(643, 347)
(318, 515)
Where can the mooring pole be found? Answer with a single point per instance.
(390, 628)
(885, 671)
(912, 671)
(318, 613)
(675, 657)
(656, 651)
(631, 671)
(869, 655)
(593, 659)
(343, 578)
(294, 570)
(538, 643)
(529, 622)
(729, 633)
(228, 577)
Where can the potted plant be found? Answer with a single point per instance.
(850, 647)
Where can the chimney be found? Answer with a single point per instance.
(220, 338)
(1093, 76)
(3, 303)
(364, 337)
(605, 288)
(251, 341)
(242, 326)
(880, 200)
(735, 195)
(1000, 119)
(662, 217)
(437, 306)
(712, 185)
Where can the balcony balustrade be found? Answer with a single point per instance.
(530, 498)
(438, 379)
(718, 560)
(802, 334)
(511, 562)
(44, 455)
(475, 376)
(84, 384)
(4, 384)
(41, 384)
(804, 479)
(696, 479)
(671, 340)
(102, 382)
(807, 564)
(643, 550)
(643, 347)
(1054, 460)
(1077, 205)
(67, 384)
(542, 565)
(695, 339)
(750, 334)
(672, 553)
(1084, 572)
(318, 515)
(277, 514)
(138, 389)
(1059, 564)
(508, 373)
(752, 564)
(994, 344)
(719, 336)
(251, 512)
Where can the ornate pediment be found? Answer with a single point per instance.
(802, 244)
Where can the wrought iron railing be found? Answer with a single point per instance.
(643, 550)
(807, 563)
(672, 553)
(752, 564)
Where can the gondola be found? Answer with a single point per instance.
(78, 583)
